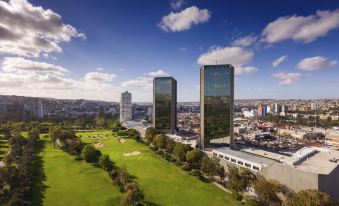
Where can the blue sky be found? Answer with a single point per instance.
(97, 49)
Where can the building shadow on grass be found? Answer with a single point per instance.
(38, 188)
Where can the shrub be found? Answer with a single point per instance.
(114, 173)
(236, 195)
(106, 163)
(154, 148)
(186, 167)
(90, 154)
(160, 152)
(195, 172)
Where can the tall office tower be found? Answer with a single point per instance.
(262, 110)
(284, 109)
(277, 108)
(165, 104)
(216, 105)
(126, 107)
(37, 109)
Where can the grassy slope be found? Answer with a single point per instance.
(163, 182)
(66, 181)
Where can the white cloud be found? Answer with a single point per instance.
(99, 76)
(287, 78)
(99, 69)
(20, 65)
(177, 4)
(236, 56)
(279, 61)
(315, 63)
(184, 20)
(245, 41)
(158, 73)
(301, 28)
(28, 30)
(146, 81)
(33, 78)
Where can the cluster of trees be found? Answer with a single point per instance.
(16, 176)
(190, 159)
(65, 139)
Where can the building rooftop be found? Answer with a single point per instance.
(245, 156)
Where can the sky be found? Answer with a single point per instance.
(97, 49)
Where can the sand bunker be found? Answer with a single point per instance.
(99, 145)
(131, 153)
(122, 140)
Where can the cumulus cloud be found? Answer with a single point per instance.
(315, 63)
(99, 76)
(158, 73)
(28, 30)
(287, 78)
(301, 28)
(177, 4)
(20, 65)
(146, 81)
(184, 20)
(236, 56)
(21, 76)
(279, 61)
(245, 41)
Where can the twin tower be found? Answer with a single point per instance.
(216, 105)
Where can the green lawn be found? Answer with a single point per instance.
(4, 147)
(163, 182)
(66, 181)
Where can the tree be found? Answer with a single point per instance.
(150, 134)
(179, 152)
(194, 156)
(90, 154)
(34, 133)
(106, 163)
(123, 176)
(239, 179)
(221, 173)
(309, 198)
(100, 121)
(209, 165)
(160, 141)
(267, 191)
(134, 134)
(169, 145)
(54, 133)
(133, 195)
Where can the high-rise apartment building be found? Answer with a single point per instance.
(216, 105)
(277, 108)
(126, 107)
(165, 104)
(262, 110)
(37, 109)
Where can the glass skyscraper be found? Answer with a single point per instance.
(216, 105)
(165, 104)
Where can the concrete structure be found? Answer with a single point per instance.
(277, 108)
(126, 107)
(216, 105)
(165, 104)
(308, 168)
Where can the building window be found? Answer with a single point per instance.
(247, 165)
(221, 156)
(256, 168)
(214, 154)
(240, 163)
(227, 158)
(233, 160)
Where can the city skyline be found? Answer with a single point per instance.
(69, 58)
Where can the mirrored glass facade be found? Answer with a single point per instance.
(216, 102)
(165, 104)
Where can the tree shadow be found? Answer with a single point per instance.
(148, 203)
(38, 187)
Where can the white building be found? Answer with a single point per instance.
(252, 113)
(126, 107)
(314, 106)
